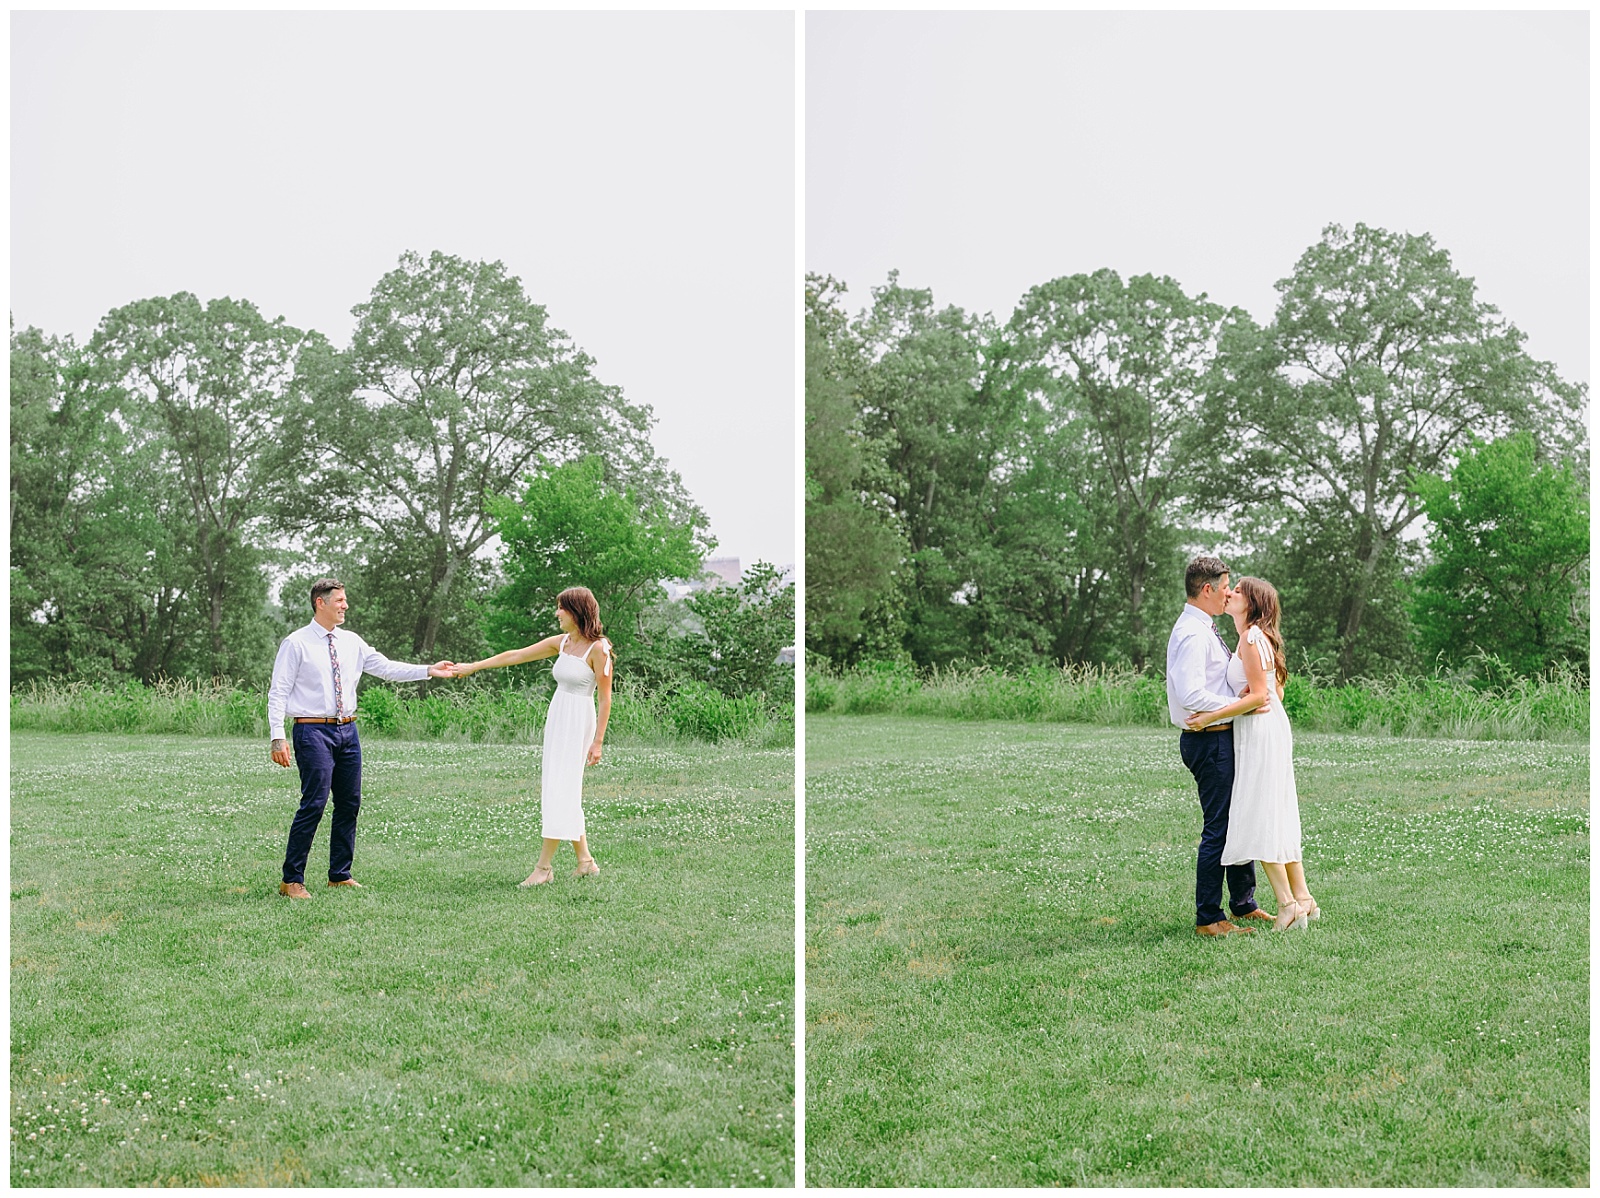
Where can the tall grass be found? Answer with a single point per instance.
(685, 711)
(1551, 706)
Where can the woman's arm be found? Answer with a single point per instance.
(1256, 693)
(602, 674)
(549, 647)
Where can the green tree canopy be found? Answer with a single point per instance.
(1380, 363)
(1510, 539)
(854, 547)
(1122, 370)
(206, 388)
(455, 386)
(571, 527)
(743, 629)
(99, 579)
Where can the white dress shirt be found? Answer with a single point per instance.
(302, 675)
(1197, 667)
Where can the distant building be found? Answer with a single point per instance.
(723, 571)
(725, 568)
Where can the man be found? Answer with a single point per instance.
(314, 683)
(1197, 680)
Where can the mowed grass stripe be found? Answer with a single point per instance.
(1004, 987)
(440, 1026)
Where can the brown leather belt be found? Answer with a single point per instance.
(323, 719)
(1213, 727)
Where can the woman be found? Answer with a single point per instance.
(572, 733)
(1264, 812)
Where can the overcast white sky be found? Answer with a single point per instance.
(983, 153)
(635, 170)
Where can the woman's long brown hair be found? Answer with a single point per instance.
(579, 603)
(1264, 611)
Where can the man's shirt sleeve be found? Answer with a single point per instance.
(284, 669)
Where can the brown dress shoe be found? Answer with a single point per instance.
(1221, 928)
(346, 882)
(294, 890)
(1258, 913)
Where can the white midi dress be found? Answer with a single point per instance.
(568, 732)
(1264, 813)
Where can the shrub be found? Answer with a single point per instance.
(688, 709)
(698, 711)
(1550, 706)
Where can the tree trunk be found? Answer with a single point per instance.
(1136, 573)
(1368, 549)
(441, 584)
(211, 568)
(218, 587)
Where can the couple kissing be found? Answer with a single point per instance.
(1237, 743)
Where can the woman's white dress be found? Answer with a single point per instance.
(568, 733)
(1264, 813)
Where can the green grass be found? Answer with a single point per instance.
(1554, 706)
(175, 1022)
(1003, 984)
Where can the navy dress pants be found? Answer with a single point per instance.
(329, 757)
(1209, 756)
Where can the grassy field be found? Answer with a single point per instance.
(175, 1022)
(1003, 984)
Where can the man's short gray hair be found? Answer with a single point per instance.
(1200, 571)
(321, 588)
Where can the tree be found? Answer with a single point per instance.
(1380, 363)
(1299, 550)
(98, 583)
(571, 527)
(939, 433)
(455, 386)
(743, 629)
(1048, 591)
(854, 546)
(1124, 368)
(207, 387)
(1510, 539)
(921, 401)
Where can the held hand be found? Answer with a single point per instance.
(442, 669)
(280, 753)
(594, 754)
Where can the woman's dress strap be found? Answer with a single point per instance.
(1263, 646)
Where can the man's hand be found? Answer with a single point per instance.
(280, 752)
(441, 669)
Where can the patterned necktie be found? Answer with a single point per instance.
(1214, 633)
(338, 680)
